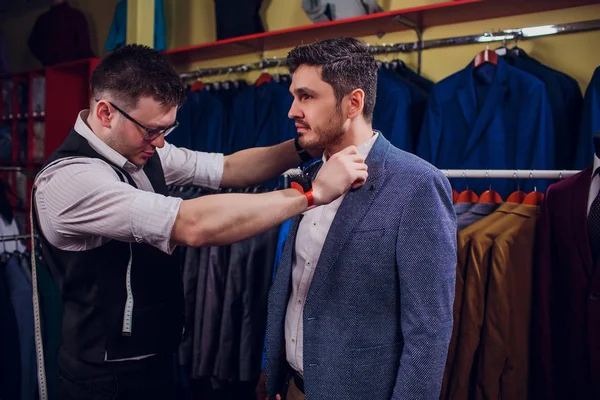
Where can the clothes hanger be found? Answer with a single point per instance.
(486, 56)
(264, 77)
(490, 196)
(502, 50)
(534, 198)
(467, 195)
(518, 196)
(197, 86)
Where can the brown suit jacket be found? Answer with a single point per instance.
(456, 381)
(503, 370)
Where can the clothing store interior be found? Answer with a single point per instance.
(502, 98)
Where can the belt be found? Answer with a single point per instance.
(298, 380)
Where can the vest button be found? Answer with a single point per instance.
(595, 296)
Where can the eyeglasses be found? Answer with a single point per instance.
(151, 134)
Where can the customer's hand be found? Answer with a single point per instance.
(344, 170)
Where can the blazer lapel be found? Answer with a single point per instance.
(466, 99)
(351, 211)
(578, 206)
(492, 103)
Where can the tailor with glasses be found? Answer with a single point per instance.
(361, 306)
(108, 229)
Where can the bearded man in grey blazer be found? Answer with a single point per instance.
(361, 306)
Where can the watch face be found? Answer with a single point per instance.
(300, 177)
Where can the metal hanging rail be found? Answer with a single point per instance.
(486, 37)
(15, 237)
(508, 173)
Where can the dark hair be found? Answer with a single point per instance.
(135, 71)
(346, 65)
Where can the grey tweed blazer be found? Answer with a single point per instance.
(378, 316)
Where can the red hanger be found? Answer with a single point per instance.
(454, 195)
(265, 77)
(467, 196)
(490, 196)
(534, 198)
(197, 86)
(486, 55)
(516, 197)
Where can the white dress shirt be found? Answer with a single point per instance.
(82, 204)
(312, 232)
(595, 185)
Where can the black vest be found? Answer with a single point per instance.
(93, 285)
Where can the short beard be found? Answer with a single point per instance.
(327, 136)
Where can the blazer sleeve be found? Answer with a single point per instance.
(431, 130)
(426, 262)
(541, 328)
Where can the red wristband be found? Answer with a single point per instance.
(309, 194)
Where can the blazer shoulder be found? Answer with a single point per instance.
(523, 78)
(447, 87)
(565, 187)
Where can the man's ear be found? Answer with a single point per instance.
(103, 114)
(357, 103)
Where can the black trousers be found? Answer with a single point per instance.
(150, 378)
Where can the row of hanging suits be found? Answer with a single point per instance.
(226, 289)
(526, 310)
(516, 113)
(488, 354)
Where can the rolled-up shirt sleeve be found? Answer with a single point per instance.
(187, 167)
(82, 204)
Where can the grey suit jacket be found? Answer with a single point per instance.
(378, 316)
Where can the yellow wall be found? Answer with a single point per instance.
(99, 14)
(574, 54)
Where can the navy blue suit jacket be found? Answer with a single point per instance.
(378, 315)
(399, 110)
(512, 129)
(259, 117)
(565, 100)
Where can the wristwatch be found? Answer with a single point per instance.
(301, 181)
(304, 155)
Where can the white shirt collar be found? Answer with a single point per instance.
(596, 164)
(364, 148)
(82, 128)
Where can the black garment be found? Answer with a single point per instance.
(238, 18)
(93, 286)
(147, 379)
(194, 283)
(245, 307)
(60, 35)
(212, 311)
(10, 359)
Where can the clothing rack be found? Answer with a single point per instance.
(508, 173)
(486, 37)
(15, 237)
